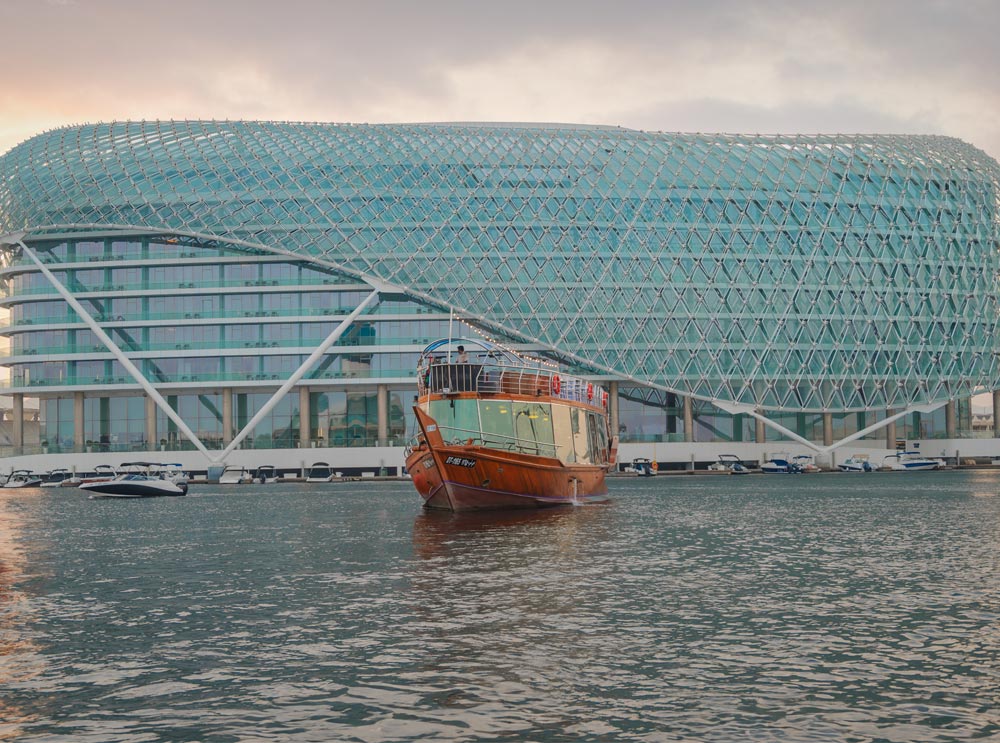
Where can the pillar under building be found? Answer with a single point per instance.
(688, 419)
(950, 420)
(149, 416)
(79, 422)
(996, 413)
(227, 415)
(17, 420)
(613, 406)
(305, 418)
(382, 401)
(827, 429)
(890, 432)
(760, 431)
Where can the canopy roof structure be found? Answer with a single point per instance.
(806, 273)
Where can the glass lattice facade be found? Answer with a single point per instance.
(794, 274)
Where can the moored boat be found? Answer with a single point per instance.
(266, 473)
(911, 461)
(499, 431)
(729, 463)
(781, 465)
(805, 463)
(320, 472)
(642, 466)
(22, 479)
(856, 463)
(59, 478)
(235, 476)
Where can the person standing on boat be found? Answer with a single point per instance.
(463, 374)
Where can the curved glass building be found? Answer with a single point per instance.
(823, 283)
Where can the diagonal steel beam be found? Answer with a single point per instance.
(131, 368)
(298, 374)
(736, 408)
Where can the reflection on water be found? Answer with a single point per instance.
(18, 661)
(859, 608)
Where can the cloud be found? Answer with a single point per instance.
(717, 65)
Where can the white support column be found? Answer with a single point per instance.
(298, 374)
(124, 360)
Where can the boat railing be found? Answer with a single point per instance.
(489, 378)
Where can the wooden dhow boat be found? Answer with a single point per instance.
(501, 431)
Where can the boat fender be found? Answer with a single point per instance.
(556, 384)
(590, 391)
(654, 466)
(604, 398)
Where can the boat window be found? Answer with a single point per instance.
(458, 420)
(498, 423)
(581, 444)
(533, 428)
(562, 426)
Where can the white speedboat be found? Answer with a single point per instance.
(22, 479)
(59, 478)
(265, 473)
(320, 472)
(169, 471)
(135, 484)
(805, 463)
(856, 463)
(642, 467)
(730, 463)
(780, 466)
(235, 476)
(911, 461)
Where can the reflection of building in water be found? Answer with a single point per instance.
(14, 615)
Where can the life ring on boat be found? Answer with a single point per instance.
(654, 466)
(556, 384)
(590, 391)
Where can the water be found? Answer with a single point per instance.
(801, 608)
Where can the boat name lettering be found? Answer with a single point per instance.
(432, 427)
(460, 461)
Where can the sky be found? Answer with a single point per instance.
(741, 66)
(768, 66)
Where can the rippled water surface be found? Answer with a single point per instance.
(815, 607)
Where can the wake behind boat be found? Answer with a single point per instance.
(501, 431)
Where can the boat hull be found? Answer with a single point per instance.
(470, 478)
(134, 489)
